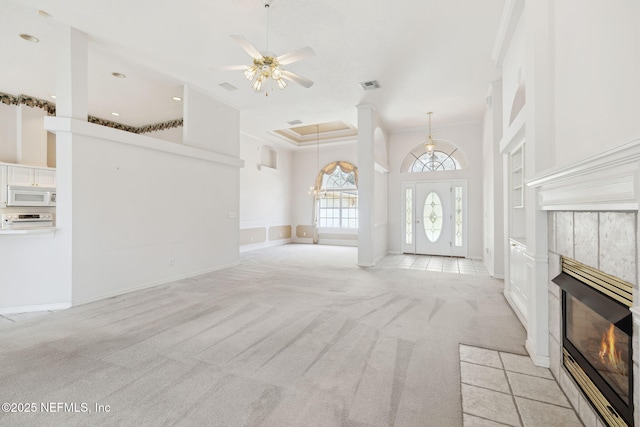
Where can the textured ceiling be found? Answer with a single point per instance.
(427, 55)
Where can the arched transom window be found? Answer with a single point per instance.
(337, 200)
(435, 161)
(446, 157)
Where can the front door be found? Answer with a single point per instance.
(434, 218)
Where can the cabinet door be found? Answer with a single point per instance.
(45, 178)
(20, 176)
(518, 278)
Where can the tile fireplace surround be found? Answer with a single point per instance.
(592, 217)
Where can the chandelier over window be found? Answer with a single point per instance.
(317, 191)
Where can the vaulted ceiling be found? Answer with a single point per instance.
(427, 55)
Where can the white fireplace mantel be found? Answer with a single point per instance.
(608, 181)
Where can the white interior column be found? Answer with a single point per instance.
(366, 127)
(71, 73)
(538, 156)
(72, 102)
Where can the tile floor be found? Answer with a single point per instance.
(433, 263)
(500, 388)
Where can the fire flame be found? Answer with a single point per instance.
(609, 355)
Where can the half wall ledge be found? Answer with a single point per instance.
(80, 127)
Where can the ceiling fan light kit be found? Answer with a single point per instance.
(266, 72)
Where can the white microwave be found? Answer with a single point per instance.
(30, 196)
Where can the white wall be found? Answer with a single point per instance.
(31, 136)
(380, 194)
(209, 124)
(136, 211)
(597, 88)
(22, 135)
(171, 135)
(514, 72)
(468, 138)
(265, 193)
(30, 275)
(8, 133)
(381, 218)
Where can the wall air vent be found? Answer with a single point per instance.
(370, 85)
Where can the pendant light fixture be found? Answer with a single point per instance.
(430, 144)
(316, 191)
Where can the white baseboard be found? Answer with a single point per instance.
(32, 308)
(538, 360)
(269, 244)
(515, 309)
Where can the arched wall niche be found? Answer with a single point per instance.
(268, 157)
(518, 103)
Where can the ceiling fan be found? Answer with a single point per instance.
(267, 68)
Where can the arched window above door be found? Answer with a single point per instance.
(446, 157)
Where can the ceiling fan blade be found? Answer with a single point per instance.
(296, 55)
(248, 47)
(297, 78)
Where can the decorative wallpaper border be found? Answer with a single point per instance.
(29, 101)
(50, 108)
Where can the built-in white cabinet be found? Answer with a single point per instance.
(518, 287)
(3, 186)
(31, 176)
(517, 177)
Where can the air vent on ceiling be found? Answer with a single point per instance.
(370, 85)
(295, 122)
(228, 86)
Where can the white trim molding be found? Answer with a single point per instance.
(34, 308)
(608, 181)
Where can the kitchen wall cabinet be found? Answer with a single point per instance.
(31, 176)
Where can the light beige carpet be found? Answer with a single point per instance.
(296, 335)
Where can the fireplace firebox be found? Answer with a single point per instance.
(597, 338)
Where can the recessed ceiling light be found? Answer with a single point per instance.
(177, 98)
(29, 38)
(295, 122)
(44, 14)
(118, 75)
(115, 114)
(53, 96)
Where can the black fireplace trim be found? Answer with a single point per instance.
(624, 410)
(605, 306)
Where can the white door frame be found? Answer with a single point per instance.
(408, 234)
